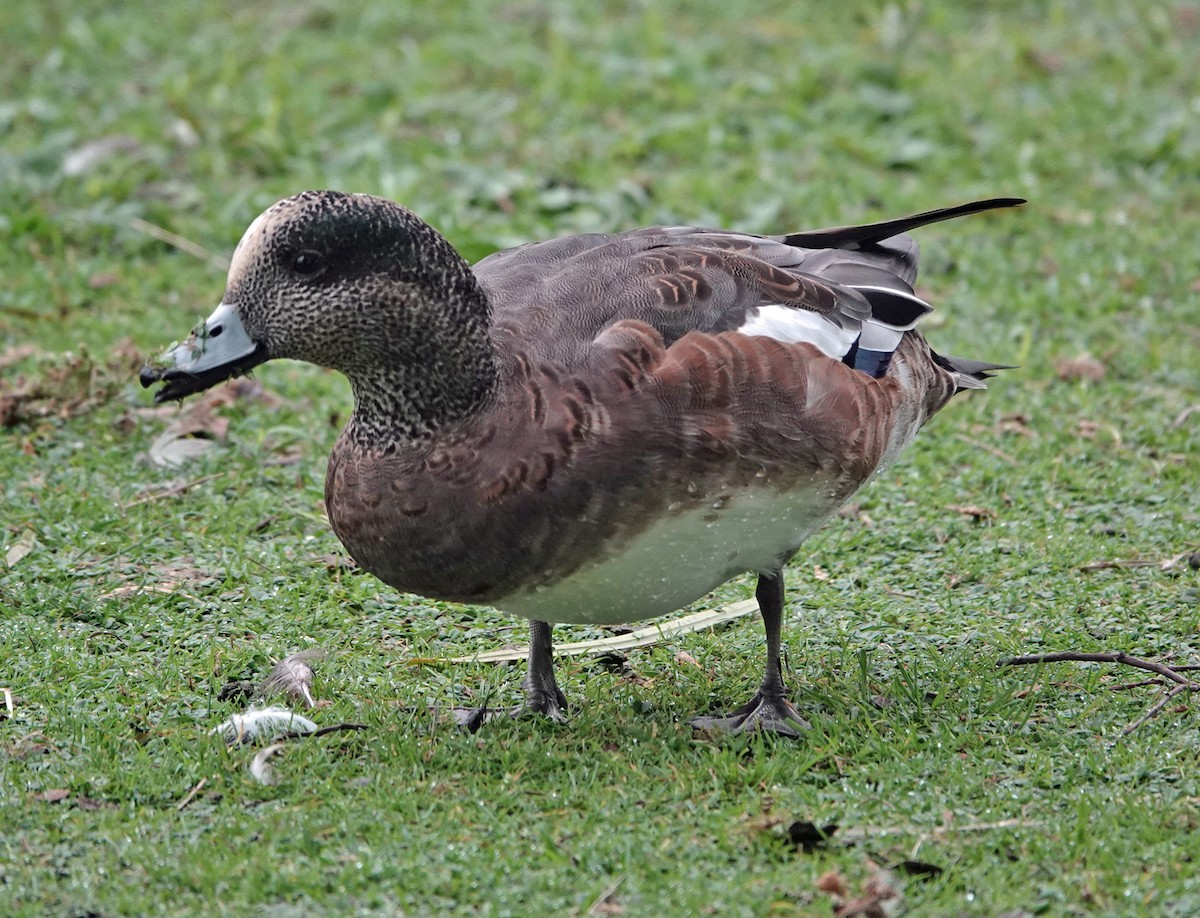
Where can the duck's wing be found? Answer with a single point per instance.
(823, 287)
(559, 295)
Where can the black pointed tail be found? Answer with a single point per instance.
(970, 374)
(854, 237)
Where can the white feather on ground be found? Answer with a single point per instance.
(260, 765)
(293, 676)
(256, 723)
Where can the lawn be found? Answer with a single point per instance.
(139, 140)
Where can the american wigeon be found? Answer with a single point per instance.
(597, 428)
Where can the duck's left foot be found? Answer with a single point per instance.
(542, 694)
(769, 710)
(770, 713)
(545, 700)
(538, 702)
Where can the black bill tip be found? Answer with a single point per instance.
(150, 375)
(178, 384)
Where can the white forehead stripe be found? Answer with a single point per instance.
(254, 229)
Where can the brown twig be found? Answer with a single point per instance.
(1167, 674)
(191, 795)
(597, 907)
(1155, 709)
(324, 730)
(172, 491)
(1125, 686)
(987, 448)
(1163, 564)
(155, 231)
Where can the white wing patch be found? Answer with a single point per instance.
(791, 326)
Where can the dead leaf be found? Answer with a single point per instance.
(808, 836)
(1084, 367)
(880, 897)
(199, 430)
(27, 746)
(1072, 216)
(90, 804)
(612, 660)
(182, 133)
(1047, 62)
(24, 545)
(919, 869)
(68, 384)
(820, 573)
(855, 512)
(57, 795)
(686, 659)
(979, 514)
(833, 883)
(1016, 423)
(293, 676)
(190, 436)
(16, 354)
(236, 691)
(334, 563)
(83, 159)
(765, 822)
(102, 280)
(167, 578)
(242, 389)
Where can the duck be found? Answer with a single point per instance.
(596, 428)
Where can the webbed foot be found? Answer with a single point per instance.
(769, 710)
(762, 712)
(542, 694)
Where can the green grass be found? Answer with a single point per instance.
(503, 122)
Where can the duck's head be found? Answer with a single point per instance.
(347, 281)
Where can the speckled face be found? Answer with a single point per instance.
(355, 283)
(330, 278)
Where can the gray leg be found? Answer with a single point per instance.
(542, 695)
(769, 709)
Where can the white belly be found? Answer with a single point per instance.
(677, 560)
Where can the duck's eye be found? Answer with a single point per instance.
(307, 263)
